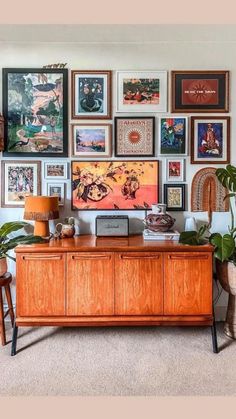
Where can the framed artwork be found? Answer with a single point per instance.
(174, 197)
(175, 170)
(19, 179)
(210, 140)
(35, 105)
(55, 170)
(200, 91)
(173, 136)
(135, 136)
(91, 94)
(141, 91)
(91, 140)
(114, 185)
(57, 189)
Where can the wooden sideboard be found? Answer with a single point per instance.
(89, 281)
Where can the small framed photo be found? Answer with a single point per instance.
(200, 91)
(141, 91)
(19, 179)
(174, 197)
(175, 170)
(57, 189)
(91, 140)
(210, 140)
(173, 136)
(91, 94)
(134, 136)
(55, 170)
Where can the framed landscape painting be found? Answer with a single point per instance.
(173, 139)
(114, 185)
(135, 136)
(91, 140)
(91, 94)
(200, 91)
(19, 179)
(174, 197)
(35, 108)
(55, 170)
(210, 140)
(141, 91)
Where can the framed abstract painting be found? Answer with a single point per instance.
(114, 185)
(174, 197)
(35, 105)
(135, 136)
(210, 140)
(173, 136)
(91, 140)
(91, 94)
(141, 91)
(200, 91)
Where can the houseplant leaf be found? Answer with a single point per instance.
(10, 227)
(224, 246)
(227, 177)
(189, 237)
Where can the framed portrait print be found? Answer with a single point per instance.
(91, 94)
(55, 170)
(141, 91)
(174, 197)
(210, 140)
(91, 140)
(173, 136)
(200, 91)
(35, 105)
(19, 179)
(57, 189)
(175, 170)
(114, 185)
(134, 136)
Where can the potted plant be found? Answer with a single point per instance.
(8, 243)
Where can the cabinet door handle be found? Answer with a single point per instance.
(188, 257)
(129, 257)
(91, 257)
(42, 257)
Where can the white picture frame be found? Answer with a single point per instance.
(53, 190)
(180, 145)
(175, 170)
(56, 170)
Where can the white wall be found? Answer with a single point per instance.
(165, 47)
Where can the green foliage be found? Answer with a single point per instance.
(227, 177)
(194, 238)
(224, 246)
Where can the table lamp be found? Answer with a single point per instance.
(41, 209)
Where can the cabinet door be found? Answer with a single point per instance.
(138, 284)
(188, 283)
(40, 285)
(90, 285)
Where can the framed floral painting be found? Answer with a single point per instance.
(135, 136)
(174, 197)
(91, 140)
(114, 185)
(141, 91)
(173, 136)
(175, 170)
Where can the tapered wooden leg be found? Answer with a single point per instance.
(9, 302)
(2, 325)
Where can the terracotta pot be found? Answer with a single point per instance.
(226, 273)
(3, 266)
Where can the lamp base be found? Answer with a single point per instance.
(41, 228)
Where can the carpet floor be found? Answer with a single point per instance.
(119, 361)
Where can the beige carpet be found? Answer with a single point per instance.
(118, 362)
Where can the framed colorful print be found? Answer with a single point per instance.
(57, 189)
(35, 105)
(210, 140)
(200, 91)
(174, 197)
(141, 91)
(91, 94)
(173, 138)
(55, 170)
(175, 170)
(135, 136)
(19, 179)
(114, 185)
(91, 140)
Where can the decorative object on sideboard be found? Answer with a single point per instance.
(173, 138)
(66, 229)
(41, 209)
(112, 226)
(174, 196)
(1, 132)
(35, 106)
(159, 220)
(190, 224)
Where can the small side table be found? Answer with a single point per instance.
(5, 281)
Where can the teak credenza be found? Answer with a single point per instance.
(89, 281)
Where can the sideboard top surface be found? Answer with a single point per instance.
(91, 243)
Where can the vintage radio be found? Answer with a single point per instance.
(112, 225)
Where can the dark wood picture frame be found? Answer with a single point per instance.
(43, 71)
(182, 186)
(92, 115)
(220, 103)
(135, 118)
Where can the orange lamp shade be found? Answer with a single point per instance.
(41, 209)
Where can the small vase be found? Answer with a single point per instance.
(159, 220)
(3, 266)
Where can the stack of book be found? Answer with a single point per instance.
(158, 235)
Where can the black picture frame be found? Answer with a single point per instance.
(183, 193)
(31, 128)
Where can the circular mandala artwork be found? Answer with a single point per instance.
(135, 137)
